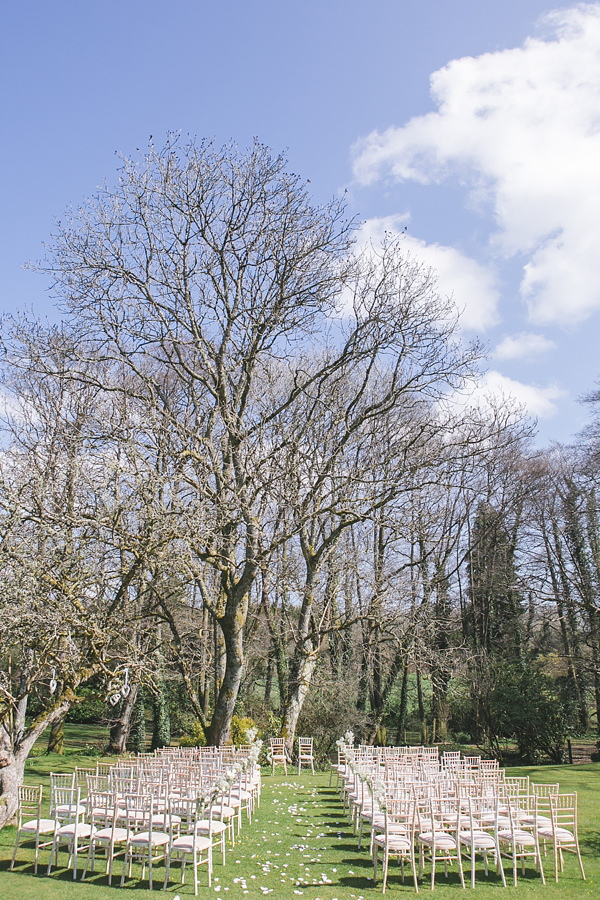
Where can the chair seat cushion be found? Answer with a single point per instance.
(143, 838)
(225, 811)
(106, 834)
(187, 842)
(562, 834)
(480, 839)
(101, 813)
(163, 819)
(81, 829)
(395, 844)
(541, 820)
(440, 839)
(490, 819)
(525, 838)
(217, 827)
(43, 826)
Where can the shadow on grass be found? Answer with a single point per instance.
(591, 842)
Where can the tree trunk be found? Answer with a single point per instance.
(268, 682)
(232, 626)
(13, 757)
(203, 681)
(403, 705)
(421, 706)
(56, 741)
(119, 730)
(305, 655)
(298, 694)
(12, 773)
(136, 737)
(277, 652)
(573, 673)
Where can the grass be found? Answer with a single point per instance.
(299, 835)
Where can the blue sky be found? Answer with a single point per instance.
(474, 125)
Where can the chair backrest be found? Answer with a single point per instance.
(138, 811)
(101, 808)
(62, 780)
(81, 776)
(489, 765)
(277, 747)
(451, 760)
(483, 810)
(544, 790)
(65, 804)
(30, 802)
(518, 784)
(522, 809)
(400, 812)
(305, 746)
(97, 783)
(563, 809)
(124, 779)
(430, 753)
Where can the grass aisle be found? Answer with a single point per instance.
(300, 845)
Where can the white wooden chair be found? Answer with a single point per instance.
(226, 814)
(305, 753)
(30, 824)
(482, 835)
(193, 844)
(439, 821)
(61, 782)
(108, 835)
(397, 839)
(277, 753)
(150, 844)
(67, 809)
(563, 830)
(208, 825)
(338, 767)
(521, 840)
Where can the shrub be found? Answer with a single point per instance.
(195, 737)
(240, 726)
(528, 705)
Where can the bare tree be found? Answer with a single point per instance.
(75, 541)
(210, 271)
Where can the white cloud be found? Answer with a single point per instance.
(539, 402)
(523, 346)
(521, 129)
(471, 285)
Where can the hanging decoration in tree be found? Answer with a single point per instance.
(116, 691)
(53, 682)
(126, 689)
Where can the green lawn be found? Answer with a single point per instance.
(299, 845)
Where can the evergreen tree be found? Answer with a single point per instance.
(137, 732)
(161, 732)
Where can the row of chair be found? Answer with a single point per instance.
(438, 814)
(141, 810)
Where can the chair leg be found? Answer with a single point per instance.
(14, 856)
(386, 862)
